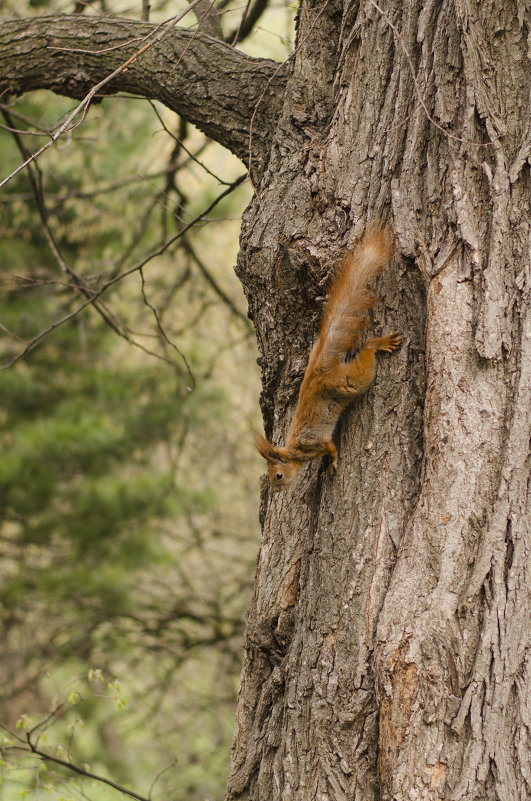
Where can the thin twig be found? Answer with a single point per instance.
(23, 117)
(159, 776)
(89, 52)
(234, 38)
(183, 146)
(108, 284)
(214, 284)
(44, 722)
(88, 774)
(163, 332)
(81, 109)
(90, 193)
(106, 314)
(417, 87)
(248, 21)
(22, 131)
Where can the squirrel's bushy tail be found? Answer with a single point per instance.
(349, 298)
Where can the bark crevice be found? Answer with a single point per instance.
(411, 593)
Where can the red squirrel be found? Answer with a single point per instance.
(332, 379)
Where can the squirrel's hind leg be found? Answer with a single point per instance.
(355, 377)
(389, 343)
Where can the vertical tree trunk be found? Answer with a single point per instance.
(387, 647)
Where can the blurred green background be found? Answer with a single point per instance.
(128, 477)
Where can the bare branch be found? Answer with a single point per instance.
(106, 314)
(249, 18)
(214, 284)
(163, 331)
(111, 282)
(145, 10)
(183, 146)
(80, 112)
(40, 53)
(208, 18)
(88, 774)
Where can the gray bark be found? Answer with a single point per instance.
(387, 650)
(204, 80)
(387, 647)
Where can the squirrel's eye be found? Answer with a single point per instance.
(278, 476)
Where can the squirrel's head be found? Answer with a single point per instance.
(280, 469)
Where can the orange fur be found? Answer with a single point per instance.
(331, 382)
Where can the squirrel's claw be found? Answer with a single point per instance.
(394, 341)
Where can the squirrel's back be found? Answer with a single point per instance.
(349, 297)
(331, 381)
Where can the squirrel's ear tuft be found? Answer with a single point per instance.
(266, 449)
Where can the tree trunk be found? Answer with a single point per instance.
(387, 646)
(386, 654)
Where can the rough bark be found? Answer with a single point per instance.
(387, 650)
(206, 81)
(387, 646)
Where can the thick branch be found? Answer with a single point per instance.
(204, 80)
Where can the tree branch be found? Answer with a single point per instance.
(251, 15)
(112, 281)
(208, 18)
(88, 774)
(204, 80)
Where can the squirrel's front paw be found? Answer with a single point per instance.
(332, 468)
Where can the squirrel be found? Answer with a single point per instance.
(334, 377)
